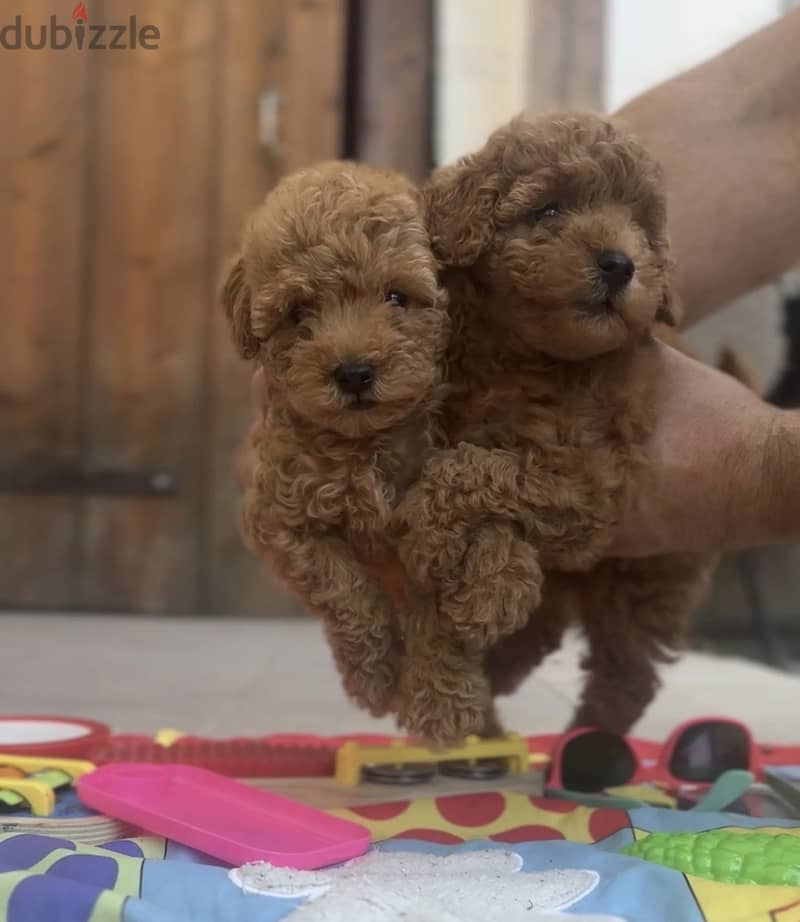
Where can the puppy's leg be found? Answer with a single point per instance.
(634, 613)
(510, 662)
(461, 537)
(358, 618)
(443, 694)
(495, 587)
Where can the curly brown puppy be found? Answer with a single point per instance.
(556, 259)
(336, 294)
(321, 294)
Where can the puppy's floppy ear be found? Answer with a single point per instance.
(459, 202)
(668, 311)
(236, 301)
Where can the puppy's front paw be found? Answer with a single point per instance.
(432, 544)
(429, 564)
(373, 688)
(613, 708)
(443, 709)
(482, 615)
(495, 590)
(443, 722)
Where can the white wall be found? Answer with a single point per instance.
(648, 41)
(481, 49)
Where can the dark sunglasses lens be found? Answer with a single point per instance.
(705, 751)
(595, 761)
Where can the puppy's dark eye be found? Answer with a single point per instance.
(550, 210)
(396, 297)
(298, 311)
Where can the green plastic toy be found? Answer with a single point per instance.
(725, 856)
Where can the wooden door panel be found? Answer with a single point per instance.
(288, 55)
(313, 123)
(566, 62)
(391, 85)
(254, 72)
(123, 187)
(586, 64)
(150, 246)
(42, 219)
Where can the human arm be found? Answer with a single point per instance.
(721, 470)
(721, 462)
(727, 133)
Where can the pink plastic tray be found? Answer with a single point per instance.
(220, 817)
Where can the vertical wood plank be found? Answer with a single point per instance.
(150, 253)
(480, 72)
(566, 60)
(43, 111)
(393, 84)
(547, 51)
(315, 67)
(292, 50)
(584, 80)
(254, 68)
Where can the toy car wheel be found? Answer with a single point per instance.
(409, 773)
(474, 769)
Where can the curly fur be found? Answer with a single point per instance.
(553, 375)
(324, 263)
(448, 532)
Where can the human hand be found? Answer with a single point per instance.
(718, 472)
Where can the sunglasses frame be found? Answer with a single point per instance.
(654, 770)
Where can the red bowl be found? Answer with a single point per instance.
(50, 736)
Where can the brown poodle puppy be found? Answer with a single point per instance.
(556, 260)
(336, 294)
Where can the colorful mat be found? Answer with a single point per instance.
(483, 857)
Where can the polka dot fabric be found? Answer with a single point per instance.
(500, 817)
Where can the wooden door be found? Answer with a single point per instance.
(43, 100)
(125, 177)
(567, 54)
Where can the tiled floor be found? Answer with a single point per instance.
(228, 676)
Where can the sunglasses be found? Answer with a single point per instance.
(590, 761)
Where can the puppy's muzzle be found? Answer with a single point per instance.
(354, 378)
(615, 269)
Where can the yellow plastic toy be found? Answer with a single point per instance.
(40, 797)
(30, 764)
(352, 757)
(33, 779)
(168, 736)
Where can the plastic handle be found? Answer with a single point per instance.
(221, 817)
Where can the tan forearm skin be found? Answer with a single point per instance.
(722, 471)
(782, 481)
(728, 135)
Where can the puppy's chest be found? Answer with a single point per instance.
(559, 418)
(393, 465)
(400, 455)
(351, 498)
(355, 491)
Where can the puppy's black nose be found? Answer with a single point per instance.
(354, 377)
(617, 269)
